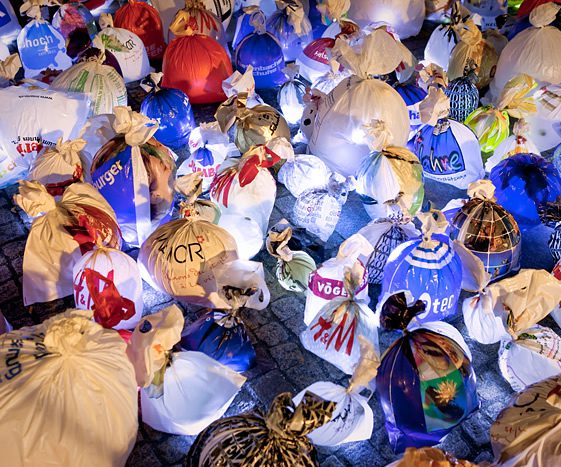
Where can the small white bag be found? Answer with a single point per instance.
(181, 392)
(242, 83)
(326, 283)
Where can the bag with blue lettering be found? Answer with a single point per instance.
(425, 382)
(263, 51)
(291, 26)
(171, 108)
(221, 334)
(66, 362)
(428, 267)
(183, 257)
(102, 83)
(9, 24)
(135, 174)
(181, 392)
(334, 332)
(60, 234)
(326, 282)
(352, 420)
(448, 150)
(412, 95)
(508, 311)
(38, 118)
(40, 46)
(209, 147)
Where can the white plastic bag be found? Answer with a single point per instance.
(333, 333)
(337, 136)
(37, 119)
(326, 283)
(182, 392)
(9, 25)
(108, 282)
(127, 47)
(246, 231)
(352, 419)
(318, 209)
(239, 83)
(67, 378)
(96, 132)
(59, 236)
(101, 83)
(209, 147)
(246, 187)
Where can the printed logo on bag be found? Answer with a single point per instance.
(328, 289)
(191, 252)
(12, 363)
(82, 295)
(436, 307)
(448, 161)
(337, 334)
(26, 145)
(41, 47)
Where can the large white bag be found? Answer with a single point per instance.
(34, 119)
(59, 236)
(96, 132)
(66, 379)
(337, 135)
(181, 392)
(108, 282)
(334, 332)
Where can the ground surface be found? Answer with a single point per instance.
(283, 364)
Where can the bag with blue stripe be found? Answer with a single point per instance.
(448, 150)
(428, 267)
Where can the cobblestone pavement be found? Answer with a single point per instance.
(282, 363)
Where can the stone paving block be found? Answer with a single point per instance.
(269, 385)
(245, 401)
(286, 207)
(263, 361)
(9, 292)
(303, 376)
(152, 297)
(289, 306)
(272, 333)
(296, 323)
(5, 271)
(476, 428)
(455, 443)
(288, 355)
(10, 232)
(361, 454)
(173, 448)
(332, 461)
(485, 456)
(143, 455)
(254, 319)
(7, 216)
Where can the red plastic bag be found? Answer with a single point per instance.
(143, 20)
(197, 65)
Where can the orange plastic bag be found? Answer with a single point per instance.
(144, 20)
(197, 65)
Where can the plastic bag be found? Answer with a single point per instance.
(58, 236)
(197, 17)
(485, 12)
(253, 126)
(263, 52)
(385, 235)
(101, 83)
(448, 150)
(171, 109)
(127, 47)
(441, 43)
(463, 94)
(182, 392)
(425, 382)
(337, 137)
(107, 281)
(95, 132)
(291, 26)
(301, 172)
(532, 51)
(318, 209)
(135, 174)
(352, 419)
(58, 167)
(77, 25)
(415, 457)
(488, 230)
(278, 438)
(9, 67)
(221, 334)
(9, 25)
(243, 84)
(67, 355)
(517, 143)
(389, 176)
(246, 231)
(291, 95)
(38, 118)
(428, 267)
(326, 282)
(143, 20)
(527, 431)
(190, 186)
(333, 333)
(40, 46)
(313, 62)
(293, 268)
(412, 95)
(404, 16)
(202, 83)
(209, 147)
